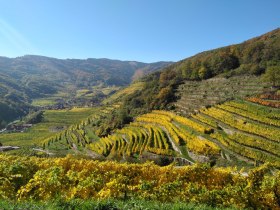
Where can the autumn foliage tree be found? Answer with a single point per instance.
(272, 75)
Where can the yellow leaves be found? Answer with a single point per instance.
(116, 188)
(155, 132)
(250, 127)
(6, 188)
(87, 179)
(79, 109)
(104, 193)
(202, 146)
(251, 112)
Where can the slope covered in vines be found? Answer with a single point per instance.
(235, 130)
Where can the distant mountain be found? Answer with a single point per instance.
(33, 71)
(28, 77)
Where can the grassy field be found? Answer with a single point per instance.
(51, 99)
(43, 102)
(95, 91)
(53, 121)
(106, 204)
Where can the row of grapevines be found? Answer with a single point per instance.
(255, 142)
(205, 120)
(42, 179)
(137, 139)
(179, 134)
(248, 126)
(265, 111)
(171, 129)
(119, 146)
(245, 151)
(275, 104)
(251, 115)
(236, 140)
(159, 134)
(186, 121)
(157, 140)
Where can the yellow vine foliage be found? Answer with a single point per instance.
(250, 127)
(154, 132)
(25, 178)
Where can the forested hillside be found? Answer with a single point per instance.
(251, 57)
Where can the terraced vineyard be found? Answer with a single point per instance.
(245, 128)
(238, 129)
(159, 132)
(79, 134)
(53, 122)
(136, 86)
(195, 95)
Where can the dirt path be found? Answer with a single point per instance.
(44, 151)
(175, 148)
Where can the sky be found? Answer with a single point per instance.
(139, 30)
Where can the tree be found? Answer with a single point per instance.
(3, 124)
(272, 74)
(204, 73)
(164, 96)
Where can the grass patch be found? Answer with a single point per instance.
(43, 102)
(60, 204)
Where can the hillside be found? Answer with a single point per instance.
(89, 72)
(193, 95)
(230, 117)
(26, 78)
(250, 58)
(223, 125)
(187, 119)
(238, 133)
(241, 133)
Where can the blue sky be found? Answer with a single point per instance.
(142, 30)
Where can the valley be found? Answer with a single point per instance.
(208, 125)
(86, 108)
(237, 132)
(31, 80)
